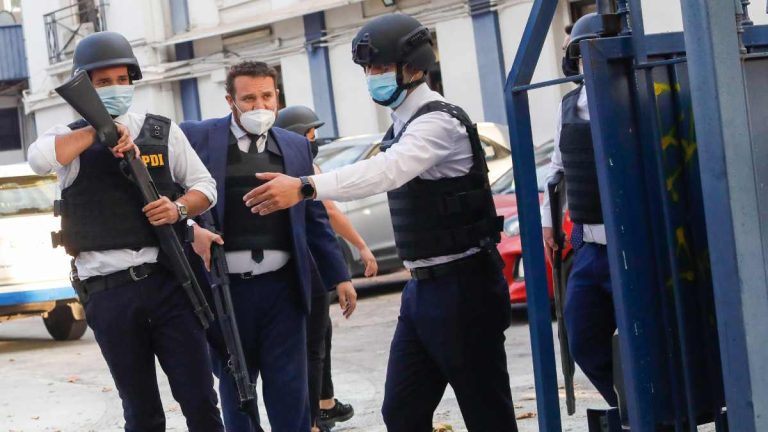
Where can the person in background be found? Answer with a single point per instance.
(326, 409)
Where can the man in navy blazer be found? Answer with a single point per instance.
(271, 259)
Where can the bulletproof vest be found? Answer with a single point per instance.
(578, 153)
(101, 210)
(445, 216)
(243, 229)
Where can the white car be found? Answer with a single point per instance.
(34, 277)
(370, 216)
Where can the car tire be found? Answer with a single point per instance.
(62, 324)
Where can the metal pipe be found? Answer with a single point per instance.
(605, 7)
(623, 11)
(653, 64)
(548, 83)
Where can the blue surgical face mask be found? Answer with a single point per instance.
(383, 86)
(117, 98)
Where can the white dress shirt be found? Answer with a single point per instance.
(186, 169)
(241, 261)
(434, 146)
(592, 233)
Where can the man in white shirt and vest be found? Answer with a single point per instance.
(589, 314)
(456, 306)
(133, 303)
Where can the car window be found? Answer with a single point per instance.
(27, 195)
(493, 151)
(506, 183)
(332, 157)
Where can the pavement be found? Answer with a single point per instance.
(52, 386)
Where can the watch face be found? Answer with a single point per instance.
(307, 190)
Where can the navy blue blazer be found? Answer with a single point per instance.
(312, 234)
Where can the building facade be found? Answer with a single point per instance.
(186, 46)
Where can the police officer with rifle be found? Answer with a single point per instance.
(456, 306)
(589, 315)
(122, 219)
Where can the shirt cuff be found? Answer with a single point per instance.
(546, 218)
(326, 185)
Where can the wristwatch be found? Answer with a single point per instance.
(182, 210)
(307, 188)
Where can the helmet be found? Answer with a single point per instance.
(394, 39)
(298, 119)
(590, 26)
(105, 49)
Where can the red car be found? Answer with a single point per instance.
(510, 248)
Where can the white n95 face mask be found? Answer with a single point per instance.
(258, 121)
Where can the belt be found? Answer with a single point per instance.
(96, 284)
(451, 267)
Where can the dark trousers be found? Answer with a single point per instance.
(317, 326)
(137, 321)
(451, 331)
(326, 389)
(589, 317)
(272, 327)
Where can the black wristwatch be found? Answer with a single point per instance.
(307, 188)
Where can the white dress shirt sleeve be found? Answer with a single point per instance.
(42, 159)
(555, 166)
(428, 140)
(187, 168)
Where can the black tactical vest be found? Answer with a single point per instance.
(101, 210)
(446, 216)
(578, 153)
(245, 230)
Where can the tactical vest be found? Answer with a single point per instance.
(243, 229)
(446, 216)
(101, 210)
(578, 153)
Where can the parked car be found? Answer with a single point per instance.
(510, 247)
(370, 216)
(34, 277)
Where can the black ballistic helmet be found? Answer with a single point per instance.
(298, 119)
(590, 26)
(105, 49)
(395, 39)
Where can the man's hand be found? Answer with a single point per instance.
(161, 212)
(202, 244)
(371, 266)
(549, 243)
(124, 143)
(347, 298)
(280, 192)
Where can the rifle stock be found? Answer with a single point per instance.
(79, 93)
(556, 189)
(236, 364)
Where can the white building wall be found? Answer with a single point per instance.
(297, 83)
(34, 39)
(203, 13)
(458, 66)
(543, 102)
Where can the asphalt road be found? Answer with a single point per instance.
(65, 386)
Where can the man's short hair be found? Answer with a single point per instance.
(568, 29)
(251, 69)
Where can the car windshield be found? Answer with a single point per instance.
(506, 183)
(345, 151)
(27, 195)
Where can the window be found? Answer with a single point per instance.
(579, 8)
(280, 87)
(10, 133)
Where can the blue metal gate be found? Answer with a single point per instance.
(678, 254)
